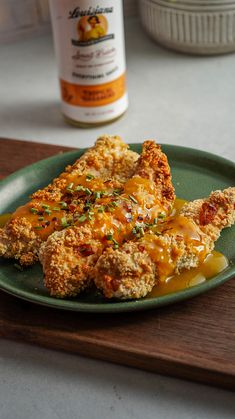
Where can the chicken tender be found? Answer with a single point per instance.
(182, 242)
(69, 256)
(110, 161)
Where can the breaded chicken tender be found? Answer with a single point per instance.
(53, 208)
(182, 242)
(68, 256)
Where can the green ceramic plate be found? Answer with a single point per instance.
(195, 174)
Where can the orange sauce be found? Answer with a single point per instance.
(49, 214)
(209, 267)
(136, 203)
(213, 264)
(125, 214)
(178, 205)
(53, 219)
(165, 252)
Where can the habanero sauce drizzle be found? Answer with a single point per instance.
(52, 213)
(212, 265)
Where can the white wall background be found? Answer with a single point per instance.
(20, 18)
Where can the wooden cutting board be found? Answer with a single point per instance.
(193, 340)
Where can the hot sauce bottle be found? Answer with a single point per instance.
(90, 51)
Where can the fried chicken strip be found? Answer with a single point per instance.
(31, 224)
(69, 256)
(180, 243)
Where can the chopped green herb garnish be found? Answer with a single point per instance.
(133, 199)
(90, 216)
(115, 242)
(44, 206)
(116, 246)
(69, 186)
(97, 195)
(33, 210)
(87, 205)
(63, 205)
(155, 221)
(117, 191)
(89, 176)
(161, 215)
(40, 218)
(82, 218)
(64, 222)
(79, 188)
(138, 231)
(56, 209)
(141, 231)
(101, 208)
(87, 191)
(114, 204)
(38, 227)
(109, 236)
(47, 211)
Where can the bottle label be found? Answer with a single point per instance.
(89, 43)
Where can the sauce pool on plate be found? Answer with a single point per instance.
(214, 263)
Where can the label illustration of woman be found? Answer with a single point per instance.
(93, 29)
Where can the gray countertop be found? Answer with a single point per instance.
(175, 99)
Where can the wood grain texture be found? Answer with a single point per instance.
(193, 340)
(15, 154)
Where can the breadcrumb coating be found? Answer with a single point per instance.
(117, 271)
(181, 243)
(67, 270)
(109, 159)
(19, 240)
(213, 214)
(146, 195)
(154, 166)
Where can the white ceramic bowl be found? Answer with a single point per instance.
(191, 26)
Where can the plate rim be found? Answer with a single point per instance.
(120, 306)
(123, 306)
(81, 151)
